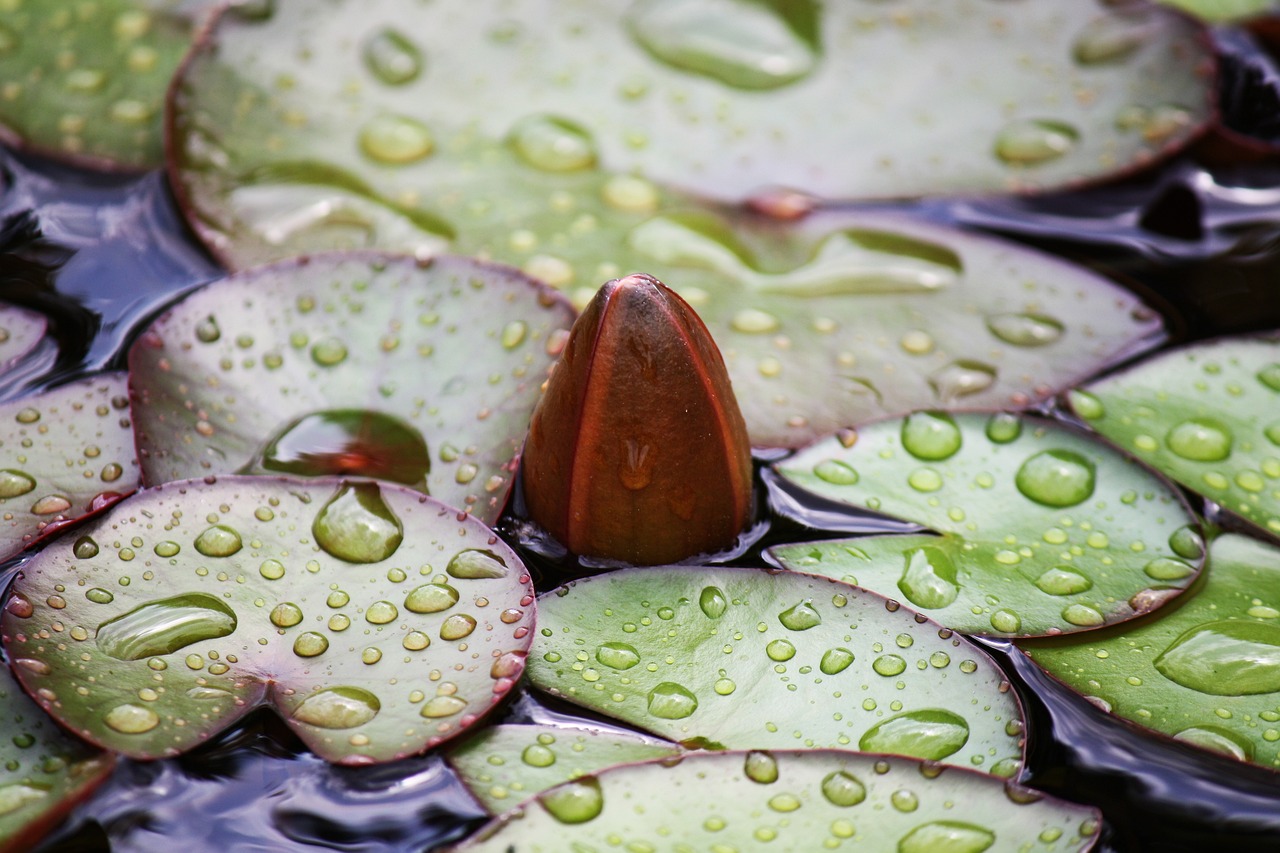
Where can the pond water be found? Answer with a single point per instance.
(101, 255)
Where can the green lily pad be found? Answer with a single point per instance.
(505, 765)
(1206, 415)
(799, 800)
(745, 658)
(20, 332)
(1206, 672)
(1222, 11)
(87, 81)
(64, 454)
(44, 771)
(1043, 530)
(422, 373)
(376, 621)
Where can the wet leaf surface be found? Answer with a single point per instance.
(369, 365)
(1207, 672)
(63, 454)
(372, 618)
(20, 332)
(1207, 415)
(747, 658)
(1044, 530)
(505, 765)
(1222, 11)
(810, 800)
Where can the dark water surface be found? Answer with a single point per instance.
(101, 255)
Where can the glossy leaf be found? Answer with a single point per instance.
(376, 621)
(637, 450)
(746, 658)
(505, 765)
(1207, 415)
(20, 332)
(64, 454)
(420, 373)
(1206, 672)
(44, 771)
(1222, 11)
(802, 800)
(1044, 530)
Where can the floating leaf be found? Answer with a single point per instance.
(44, 771)
(374, 619)
(504, 765)
(1043, 529)
(87, 81)
(1222, 11)
(1207, 672)
(63, 454)
(378, 366)
(795, 800)
(20, 332)
(1206, 415)
(744, 658)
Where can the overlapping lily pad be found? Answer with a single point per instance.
(1206, 415)
(20, 331)
(1043, 530)
(422, 373)
(747, 658)
(63, 454)
(44, 771)
(87, 80)
(801, 800)
(505, 765)
(1207, 672)
(374, 619)
(1221, 11)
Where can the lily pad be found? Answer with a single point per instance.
(64, 454)
(1206, 672)
(422, 373)
(87, 81)
(753, 659)
(375, 620)
(796, 800)
(1223, 11)
(20, 332)
(1206, 415)
(44, 771)
(505, 765)
(1043, 530)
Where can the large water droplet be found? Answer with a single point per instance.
(553, 144)
(286, 615)
(835, 661)
(1063, 580)
(843, 789)
(1200, 440)
(431, 598)
(442, 706)
(617, 655)
(747, 45)
(1029, 143)
(310, 644)
(947, 836)
(929, 580)
(760, 767)
(85, 548)
(338, 708)
(931, 436)
(889, 665)
(1225, 659)
(932, 733)
(131, 719)
(538, 755)
(1025, 330)
(671, 701)
(218, 541)
(960, 379)
(475, 564)
(395, 140)
(574, 802)
(712, 602)
(16, 795)
(1217, 740)
(163, 627)
(392, 57)
(14, 483)
(835, 472)
(1112, 38)
(356, 442)
(800, 617)
(357, 526)
(1056, 478)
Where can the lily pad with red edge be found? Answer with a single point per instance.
(1206, 672)
(44, 772)
(86, 82)
(64, 454)
(505, 765)
(791, 800)
(20, 332)
(1207, 415)
(1042, 529)
(375, 620)
(755, 659)
(422, 373)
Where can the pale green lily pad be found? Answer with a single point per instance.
(44, 771)
(63, 454)
(423, 373)
(748, 658)
(376, 621)
(1044, 529)
(794, 800)
(20, 332)
(1206, 672)
(1222, 11)
(505, 765)
(1206, 415)
(87, 81)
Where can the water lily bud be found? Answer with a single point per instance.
(637, 450)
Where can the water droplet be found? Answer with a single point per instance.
(1187, 543)
(474, 564)
(356, 442)
(442, 706)
(800, 617)
(1270, 376)
(85, 548)
(760, 767)
(1025, 330)
(131, 719)
(947, 836)
(1217, 739)
(1200, 440)
(286, 615)
(784, 803)
(553, 144)
(931, 436)
(1087, 405)
(393, 140)
(1083, 616)
(392, 57)
(1056, 478)
(357, 526)
(50, 505)
(14, 483)
(1167, 569)
(98, 595)
(207, 330)
(574, 802)
(338, 708)
(431, 598)
(931, 733)
(1225, 659)
(617, 655)
(1006, 621)
(724, 686)
(381, 613)
(1035, 141)
(537, 755)
(167, 549)
(712, 602)
(163, 627)
(753, 321)
(843, 789)
(835, 472)
(929, 580)
(1063, 580)
(835, 661)
(310, 644)
(780, 650)
(889, 665)
(960, 379)
(16, 795)
(1112, 38)
(218, 541)
(904, 800)
(272, 570)
(457, 626)
(671, 701)
(328, 352)
(925, 480)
